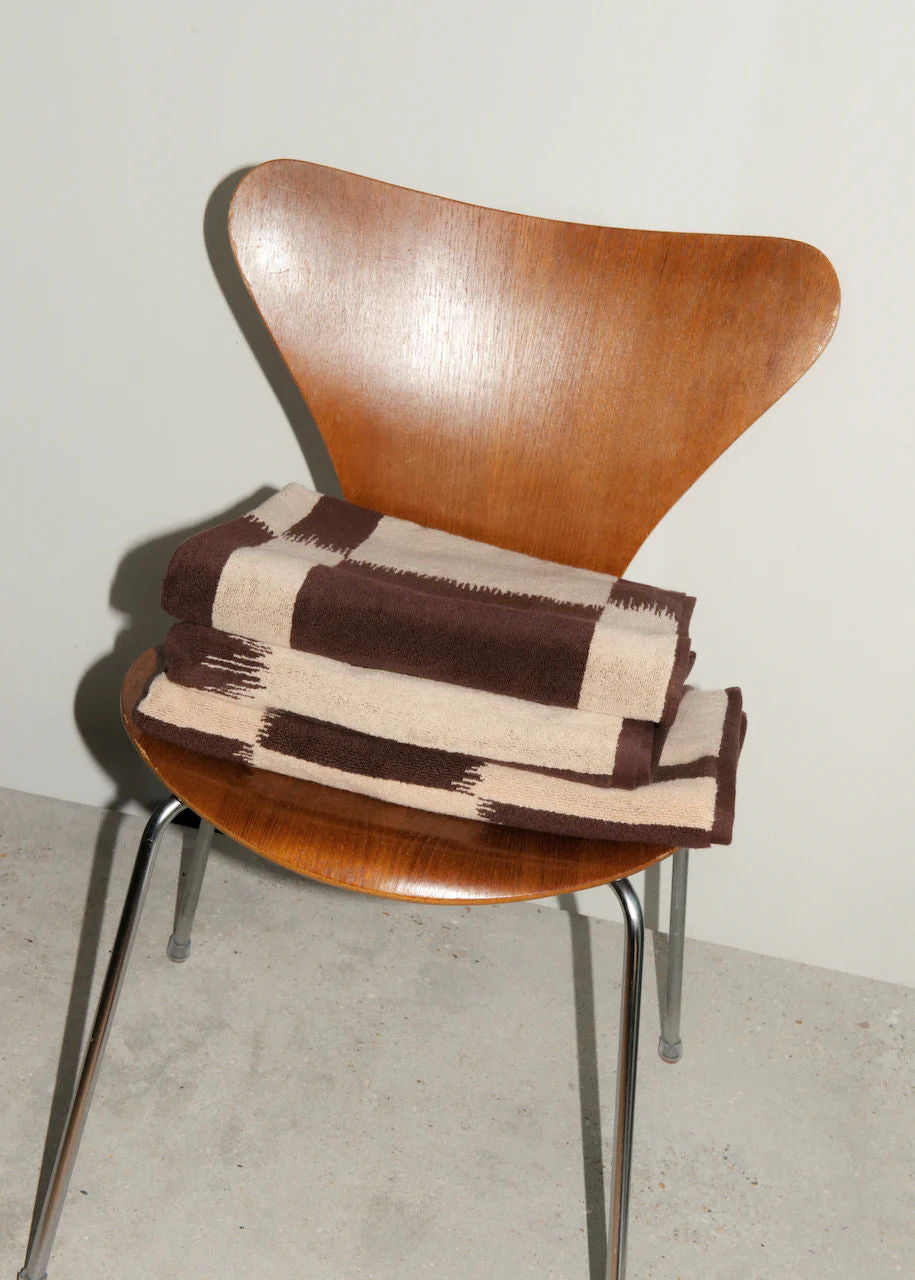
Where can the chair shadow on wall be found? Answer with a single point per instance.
(135, 593)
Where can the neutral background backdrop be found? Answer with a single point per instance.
(136, 411)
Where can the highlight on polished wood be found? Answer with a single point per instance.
(545, 386)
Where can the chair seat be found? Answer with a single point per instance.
(369, 845)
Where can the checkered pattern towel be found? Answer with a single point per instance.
(603, 750)
(336, 645)
(317, 574)
(690, 800)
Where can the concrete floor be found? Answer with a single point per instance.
(344, 1087)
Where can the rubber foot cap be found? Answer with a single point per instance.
(671, 1053)
(177, 951)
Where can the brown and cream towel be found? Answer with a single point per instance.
(603, 749)
(323, 576)
(689, 802)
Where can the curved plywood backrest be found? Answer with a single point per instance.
(545, 386)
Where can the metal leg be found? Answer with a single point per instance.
(625, 1080)
(189, 882)
(36, 1263)
(670, 1046)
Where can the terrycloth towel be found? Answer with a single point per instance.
(690, 802)
(317, 574)
(604, 750)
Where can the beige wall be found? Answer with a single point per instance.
(134, 407)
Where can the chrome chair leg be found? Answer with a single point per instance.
(670, 1046)
(625, 1080)
(36, 1262)
(189, 882)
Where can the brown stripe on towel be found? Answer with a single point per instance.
(683, 810)
(194, 570)
(208, 744)
(450, 589)
(515, 815)
(336, 525)
(521, 654)
(217, 661)
(632, 765)
(682, 665)
(706, 767)
(305, 738)
(567, 775)
(424, 712)
(732, 736)
(657, 746)
(641, 597)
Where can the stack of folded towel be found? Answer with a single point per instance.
(331, 643)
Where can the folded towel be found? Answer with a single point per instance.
(601, 749)
(320, 575)
(689, 802)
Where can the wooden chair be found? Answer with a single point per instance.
(544, 386)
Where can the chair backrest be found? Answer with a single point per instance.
(545, 386)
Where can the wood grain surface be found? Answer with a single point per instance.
(544, 386)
